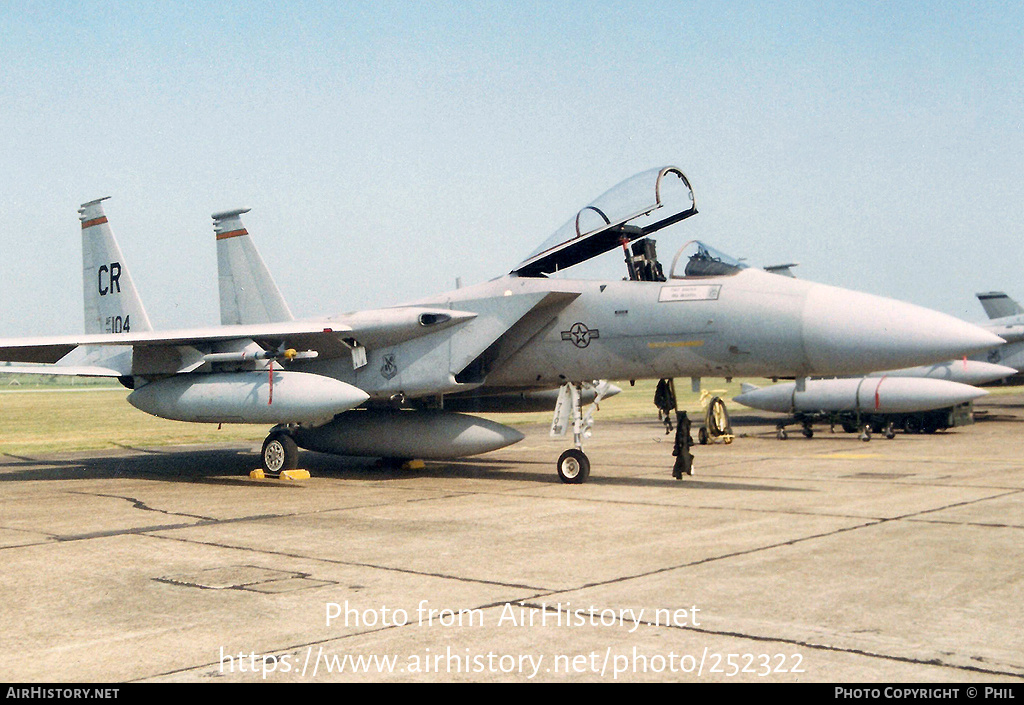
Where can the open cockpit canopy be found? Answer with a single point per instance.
(636, 208)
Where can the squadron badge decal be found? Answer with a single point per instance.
(389, 369)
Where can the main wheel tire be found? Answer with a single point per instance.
(280, 453)
(573, 467)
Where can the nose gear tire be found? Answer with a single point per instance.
(573, 467)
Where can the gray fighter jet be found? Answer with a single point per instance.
(382, 382)
(1006, 319)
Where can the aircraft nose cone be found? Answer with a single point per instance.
(848, 332)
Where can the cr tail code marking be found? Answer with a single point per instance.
(108, 279)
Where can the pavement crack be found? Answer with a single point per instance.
(952, 505)
(139, 504)
(356, 564)
(936, 661)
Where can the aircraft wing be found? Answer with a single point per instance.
(52, 348)
(329, 338)
(60, 370)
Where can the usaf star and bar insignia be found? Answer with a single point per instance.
(579, 335)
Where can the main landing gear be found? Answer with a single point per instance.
(280, 453)
(573, 465)
(279, 458)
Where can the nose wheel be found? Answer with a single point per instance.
(573, 467)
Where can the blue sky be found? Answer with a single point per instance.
(387, 148)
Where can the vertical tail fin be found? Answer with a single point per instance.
(248, 293)
(112, 304)
(999, 305)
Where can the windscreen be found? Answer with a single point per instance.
(697, 259)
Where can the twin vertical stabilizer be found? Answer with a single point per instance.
(112, 304)
(248, 294)
(998, 305)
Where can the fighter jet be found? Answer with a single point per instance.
(382, 382)
(1007, 321)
